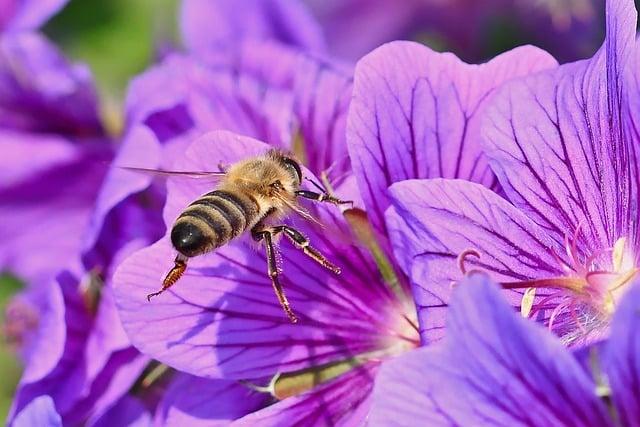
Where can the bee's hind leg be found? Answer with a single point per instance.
(179, 266)
(272, 268)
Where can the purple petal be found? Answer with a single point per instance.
(56, 203)
(621, 358)
(558, 144)
(219, 24)
(188, 401)
(222, 317)
(19, 15)
(416, 114)
(41, 91)
(36, 317)
(129, 411)
(140, 148)
(344, 401)
(40, 412)
(26, 155)
(432, 222)
(509, 370)
(322, 93)
(96, 367)
(300, 102)
(184, 98)
(57, 382)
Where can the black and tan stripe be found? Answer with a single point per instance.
(221, 216)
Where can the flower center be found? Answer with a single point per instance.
(582, 300)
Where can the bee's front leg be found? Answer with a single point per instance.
(322, 197)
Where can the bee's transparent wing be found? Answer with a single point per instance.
(184, 174)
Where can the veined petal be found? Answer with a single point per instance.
(433, 222)
(62, 392)
(27, 154)
(140, 148)
(621, 358)
(558, 144)
(80, 382)
(184, 97)
(41, 91)
(219, 24)
(223, 319)
(344, 401)
(40, 412)
(188, 402)
(57, 203)
(416, 114)
(509, 370)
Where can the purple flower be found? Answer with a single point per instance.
(221, 322)
(512, 371)
(20, 15)
(350, 29)
(76, 351)
(471, 29)
(564, 241)
(55, 155)
(88, 363)
(213, 322)
(209, 26)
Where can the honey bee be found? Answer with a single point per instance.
(252, 195)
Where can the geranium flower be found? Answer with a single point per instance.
(511, 371)
(208, 26)
(18, 15)
(349, 29)
(221, 320)
(91, 371)
(55, 155)
(76, 351)
(471, 29)
(564, 242)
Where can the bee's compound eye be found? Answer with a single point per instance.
(294, 167)
(188, 239)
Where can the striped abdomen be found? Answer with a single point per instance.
(213, 220)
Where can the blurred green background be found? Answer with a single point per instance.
(118, 39)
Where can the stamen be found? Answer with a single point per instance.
(571, 283)
(526, 304)
(462, 258)
(618, 253)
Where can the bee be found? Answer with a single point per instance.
(252, 195)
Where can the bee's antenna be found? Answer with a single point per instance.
(179, 267)
(315, 184)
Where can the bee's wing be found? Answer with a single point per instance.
(184, 174)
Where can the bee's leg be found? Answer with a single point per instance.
(301, 242)
(322, 197)
(179, 266)
(272, 268)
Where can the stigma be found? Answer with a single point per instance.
(578, 304)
